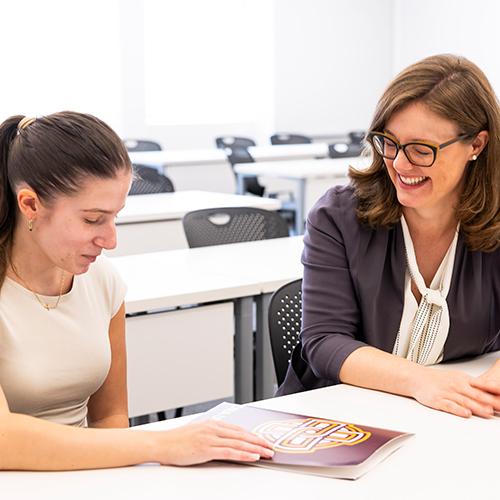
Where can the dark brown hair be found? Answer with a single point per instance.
(457, 90)
(52, 155)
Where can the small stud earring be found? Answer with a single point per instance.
(474, 157)
(30, 225)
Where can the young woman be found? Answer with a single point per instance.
(63, 179)
(402, 267)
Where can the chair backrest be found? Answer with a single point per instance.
(134, 145)
(220, 226)
(148, 180)
(238, 154)
(344, 150)
(357, 136)
(229, 141)
(285, 321)
(277, 139)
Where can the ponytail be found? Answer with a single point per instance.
(8, 208)
(53, 155)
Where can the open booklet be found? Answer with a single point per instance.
(313, 445)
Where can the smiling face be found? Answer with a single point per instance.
(436, 188)
(73, 230)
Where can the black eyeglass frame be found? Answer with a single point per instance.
(434, 147)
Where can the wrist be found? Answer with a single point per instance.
(412, 377)
(150, 446)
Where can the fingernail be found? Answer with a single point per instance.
(255, 456)
(270, 453)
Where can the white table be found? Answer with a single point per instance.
(206, 169)
(449, 458)
(311, 177)
(204, 278)
(153, 222)
(288, 151)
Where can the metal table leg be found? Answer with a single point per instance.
(265, 377)
(243, 350)
(301, 208)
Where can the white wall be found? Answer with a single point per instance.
(325, 61)
(188, 62)
(333, 59)
(59, 55)
(463, 27)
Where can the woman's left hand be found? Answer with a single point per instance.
(489, 381)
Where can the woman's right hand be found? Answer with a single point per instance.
(209, 440)
(452, 392)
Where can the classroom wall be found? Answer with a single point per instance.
(321, 64)
(58, 55)
(332, 61)
(455, 26)
(249, 78)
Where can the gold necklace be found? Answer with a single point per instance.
(45, 305)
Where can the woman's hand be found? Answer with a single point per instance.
(456, 392)
(210, 440)
(489, 382)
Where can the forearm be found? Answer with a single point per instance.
(29, 443)
(375, 369)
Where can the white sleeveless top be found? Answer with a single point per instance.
(51, 362)
(424, 327)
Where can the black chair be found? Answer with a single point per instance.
(230, 141)
(221, 226)
(147, 180)
(134, 145)
(352, 147)
(236, 149)
(285, 321)
(277, 139)
(344, 150)
(357, 136)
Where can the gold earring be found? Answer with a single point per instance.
(30, 225)
(474, 157)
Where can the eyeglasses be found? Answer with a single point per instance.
(420, 154)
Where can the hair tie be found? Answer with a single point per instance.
(25, 122)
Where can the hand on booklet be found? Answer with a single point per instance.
(212, 440)
(313, 445)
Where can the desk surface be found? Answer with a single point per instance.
(178, 157)
(196, 275)
(449, 458)
(288, 151)
(168, 206)
(301, 169)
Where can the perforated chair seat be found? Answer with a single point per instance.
(285, 322)
(221, 226)
(148, 181)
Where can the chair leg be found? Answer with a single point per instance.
(178, 412)
(161, 415)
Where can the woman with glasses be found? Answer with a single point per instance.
(402, 267)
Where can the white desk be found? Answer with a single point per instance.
(311, 177)
(449, 458)
(202, 276)
(289, 151)
(206, 169)
(153, 222)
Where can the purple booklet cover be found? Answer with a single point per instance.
(314, 445)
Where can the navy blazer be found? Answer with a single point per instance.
(353, 294)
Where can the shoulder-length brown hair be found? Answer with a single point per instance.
(457, 90)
